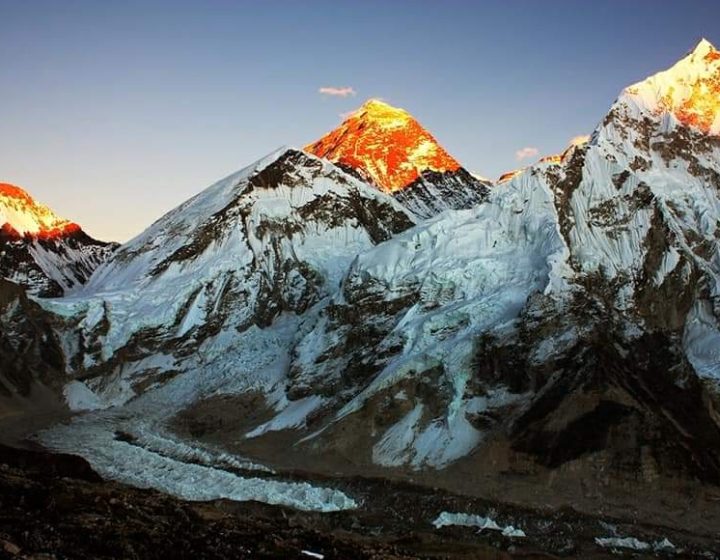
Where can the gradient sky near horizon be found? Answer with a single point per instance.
(112, 113)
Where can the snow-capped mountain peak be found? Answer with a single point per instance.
(385, 115)
(385, 145)
(21, 215)
(703, 48)
(275, 237)
(262, 201)
(41, 251)
(689, 90)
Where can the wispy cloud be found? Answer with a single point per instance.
(579, 140)
(337, 91)
(526, 152)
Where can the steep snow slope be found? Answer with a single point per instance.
(687, 94)
(411, 311)
(625, 360)
(388, 148)
(605, 251)
(646, 209)
(41, 251)
(273, 238)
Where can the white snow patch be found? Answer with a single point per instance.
(663, 545)
(635, 544)
(446, 519)
(392, 449)
(292, 416)
(195, 315)
(702, 341)
(440, 441)
(622, 542)
(444, 441)
(79, 396)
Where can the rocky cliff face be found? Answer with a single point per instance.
(30, 352)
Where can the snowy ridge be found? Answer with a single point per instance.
(48, 255)
(687, 94)
(24, 215)
(137, 261)
(275, 236)
(433, 193)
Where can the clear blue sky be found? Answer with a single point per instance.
(114, 112)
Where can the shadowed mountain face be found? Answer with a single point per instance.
(41, 251)
(555, 339)
(31, 353)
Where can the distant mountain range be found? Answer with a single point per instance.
(367, 306)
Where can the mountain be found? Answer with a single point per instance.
(269, 241)
(556, 345)
(553, 158)
(688, 94)
(32, 368)
(565, 330)
(41, 251)
(386, 147)
(625, 357)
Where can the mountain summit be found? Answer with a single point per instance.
(689, 90)
(386, 147)
(22, 216)
(40, 250)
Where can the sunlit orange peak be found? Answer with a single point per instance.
(580, 140)
(690, 90)
(385, 145)
(509, 176)
(575, 142)
(555, 158)
(22, 216)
